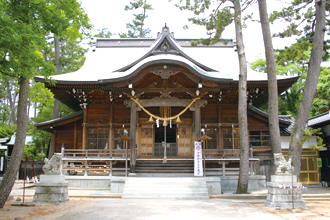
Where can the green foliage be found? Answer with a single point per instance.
(135, 29)
(26, 50)
(104, 33)
(40, 96)
(7, 131)
(321, 102)
(309, 133)
(291, 65)
(300, 18)
(215, 16)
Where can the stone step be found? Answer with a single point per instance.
(157, 166)
(158, 174)
(165, 188)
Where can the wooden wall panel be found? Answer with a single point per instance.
(152, 110)
(209, 114)
(187, 114)
(229, 113)
(122, 114)
(255, 122)
(64, 137)
(98, 114)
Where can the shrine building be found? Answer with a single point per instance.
(142, 103)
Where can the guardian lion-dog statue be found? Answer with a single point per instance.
(282, 166)
(53, 166)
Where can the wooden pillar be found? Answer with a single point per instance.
(133, 136)
(75, 136)
(84, 134)
(54, 142)
(219, 139)
(197, 120)
(111, 138)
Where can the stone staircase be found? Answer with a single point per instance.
(172, 166)
(165, 188)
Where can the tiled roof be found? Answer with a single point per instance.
(288, 119)
(319, 119)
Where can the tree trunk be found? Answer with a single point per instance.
(313, 73)
(243, 180)
(15, 160)
(56, 103)
(55, 115)
(57, 55)
(274, 127)
(12, 102)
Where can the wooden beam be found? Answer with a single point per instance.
(84, 135)
(133, 136)
(111, 138)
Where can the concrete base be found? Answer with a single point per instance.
(256, 182)
(117, 184)
(169, 187)
(51, 189)
(99, 182)
(213, 185)
(284, 192)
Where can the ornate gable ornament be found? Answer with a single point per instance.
(165, 71)
(165, 48)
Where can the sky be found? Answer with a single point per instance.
(111, 14)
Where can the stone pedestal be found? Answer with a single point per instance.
(284, 192)
(52, 189)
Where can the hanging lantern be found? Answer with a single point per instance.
(150, 119)
(178, 119)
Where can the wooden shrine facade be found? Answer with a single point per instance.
(163, 98)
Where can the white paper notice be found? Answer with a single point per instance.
(198, 162)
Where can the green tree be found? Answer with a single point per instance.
(314, 30)
(103, 33)
(290, 101)
(23, 31)
(321, 102)
(136, 28)
(274, 127)
(216, 16)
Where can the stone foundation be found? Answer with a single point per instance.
(284, 192)
(256, 182)
(51, 189)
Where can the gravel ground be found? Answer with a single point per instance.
(94, 208)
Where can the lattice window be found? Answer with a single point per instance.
(260, 139)
(212, 132)
(118, 144)
(97, 138)
(230, 138)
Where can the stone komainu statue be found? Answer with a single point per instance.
(282, 166)
(53, 166)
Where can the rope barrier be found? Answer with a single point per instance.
(162, 118)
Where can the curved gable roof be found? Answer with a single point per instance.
(165, 44)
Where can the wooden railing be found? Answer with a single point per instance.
(94, 153)
(222, 153)
(87, 156)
